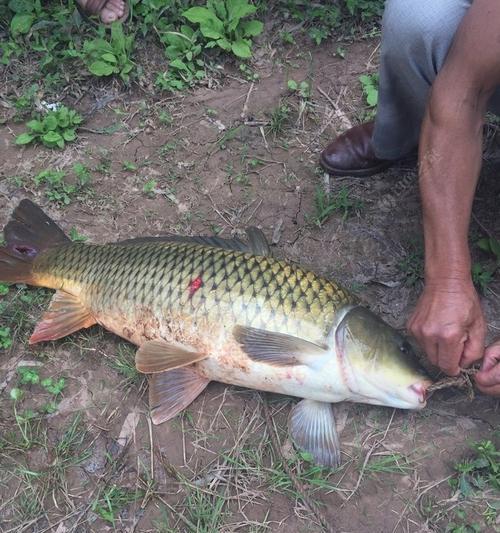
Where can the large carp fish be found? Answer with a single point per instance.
(204, 309)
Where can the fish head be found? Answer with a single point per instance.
(379, 364)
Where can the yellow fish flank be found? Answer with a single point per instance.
(204, 308)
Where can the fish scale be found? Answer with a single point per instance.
(236, 287)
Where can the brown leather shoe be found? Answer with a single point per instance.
(351, 154)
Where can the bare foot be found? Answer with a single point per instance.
(109, 12)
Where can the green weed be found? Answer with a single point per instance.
(389, 464)
(204, 512)
(185, 67)
(5, 338)
(124, 364)
(491, 246)
(149, 188)
(480, 471)
(412, 265)
(53, 129)
(326, 205)
(303, 88)
(104, 57)
(221, 23)
(482, 276)
(75, 236)
(112, 500)
(369, 83)
(280, 117)
(57, 189)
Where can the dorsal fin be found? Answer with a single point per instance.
(257, 242)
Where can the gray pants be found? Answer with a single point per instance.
(416, 37)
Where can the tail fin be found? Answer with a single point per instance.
(29, 232)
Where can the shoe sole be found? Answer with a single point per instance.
(355, 173)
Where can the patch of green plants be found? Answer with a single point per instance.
(149, 188)
(482, 276)
(183, 49)
(461, 525)
(491, 246)
(112, 500)
(222, 24)
(326, 205)
(280, 117)
(53, 129)
(5, 338)
(60, 191)
(369, 84)
(394, 463)
(322, 20)
(480, 471)
(75, 236)
(124, 364)
(412, 264)
(104, 57)
(303, 88)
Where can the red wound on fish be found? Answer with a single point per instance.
(194, 285)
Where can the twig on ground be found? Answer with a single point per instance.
(244, 112)
(344, 119)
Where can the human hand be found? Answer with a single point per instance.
(449, 324)
(488, 378)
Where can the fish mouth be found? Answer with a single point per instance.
(420, 391)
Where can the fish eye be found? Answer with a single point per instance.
(405, 347)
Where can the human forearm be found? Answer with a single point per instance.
(448, 321)
(450, 161)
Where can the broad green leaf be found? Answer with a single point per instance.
(24, 138)
(252, 28)
(110, 58)
(372, 98)
(22, 6)
(198, 14)
(224, 44)
(219, 7)
(178, 64)
(69, 135)
(210, 32)
(63, 121)
(51, 137)
(238, 9)
(100, 68)
(21, 23)
(240, 48)
(127, 68)
(35, 125)
(495, 247)
(50, 123)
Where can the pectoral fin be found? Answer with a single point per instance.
(160, 356)
(171, 392)
(276, 348)
(65, 315)
(312, 428)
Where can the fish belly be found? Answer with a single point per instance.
(322, 384)
(227, 363)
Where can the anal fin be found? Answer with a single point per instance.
(171, 392)
(65, 315)
(160, 356)
(312, 427)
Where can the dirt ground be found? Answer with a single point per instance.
(214, 165)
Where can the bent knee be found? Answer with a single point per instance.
(407, 23)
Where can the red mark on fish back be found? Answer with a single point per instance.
(194, 285)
